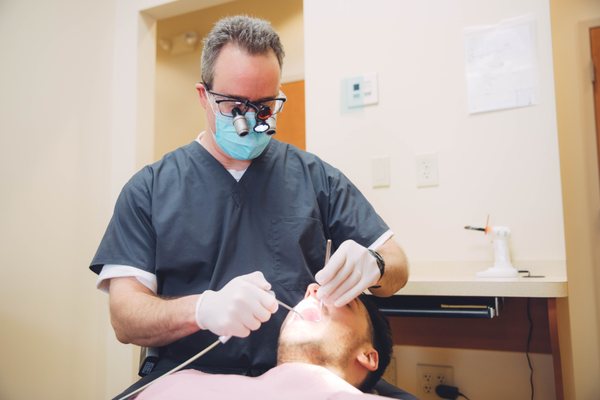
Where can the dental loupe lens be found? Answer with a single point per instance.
(264, 113)
(272, 126)
(241, 125)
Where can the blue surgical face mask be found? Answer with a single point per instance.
(240, 147)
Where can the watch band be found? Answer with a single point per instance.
(380, 265)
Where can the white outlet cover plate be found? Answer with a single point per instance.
(426, 166)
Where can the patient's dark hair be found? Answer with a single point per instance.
(381, 336)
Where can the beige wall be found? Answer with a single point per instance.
(580, 314)
(55, 85)
(179, 117)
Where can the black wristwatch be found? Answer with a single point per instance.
(380, 265)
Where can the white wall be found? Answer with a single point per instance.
(55, 79)
(502, 163)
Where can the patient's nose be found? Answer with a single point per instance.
(311, 290)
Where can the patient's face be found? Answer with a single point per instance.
(326, 335)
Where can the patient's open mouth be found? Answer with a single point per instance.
(310, 309)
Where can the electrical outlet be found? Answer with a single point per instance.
(429, 376)
(427, 170)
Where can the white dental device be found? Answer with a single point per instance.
(502, 267)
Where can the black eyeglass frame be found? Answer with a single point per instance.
(263, 112)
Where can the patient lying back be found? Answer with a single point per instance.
(330, 353)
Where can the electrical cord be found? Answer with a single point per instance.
(222, 339)
(529, 334)
(449, 392)
(452, 393)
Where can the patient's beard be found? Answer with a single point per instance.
(336, 354)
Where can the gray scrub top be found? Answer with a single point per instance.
(186, 220)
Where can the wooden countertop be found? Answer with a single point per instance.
(459, 279)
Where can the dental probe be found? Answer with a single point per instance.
(285, 305)
(289, 308)
(327, 251)
(327, 255)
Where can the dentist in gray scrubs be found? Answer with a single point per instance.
(200, 240)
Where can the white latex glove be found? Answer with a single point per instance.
(349, 272)
(241, 306)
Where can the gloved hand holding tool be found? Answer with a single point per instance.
(240, 307)
(351, 270)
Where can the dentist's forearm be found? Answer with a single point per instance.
(396, 269)
(140, 317)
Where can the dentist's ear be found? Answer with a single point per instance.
(202, 94)
(368, 358)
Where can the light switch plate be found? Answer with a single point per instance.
(380, 168)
